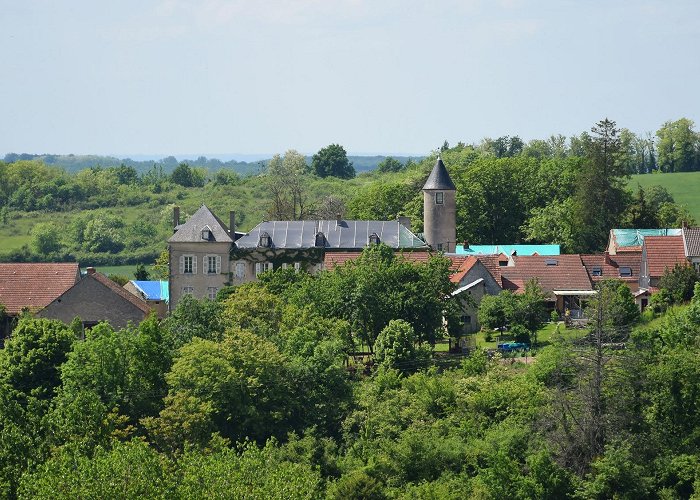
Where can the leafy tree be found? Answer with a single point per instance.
(554, 223)
(119, 279)
(161, 267)
(127, 470)
(495, 311)
(46, 238)
(287, 185)
(30, 361)
(380, 201)
(186, 176)
(612, 310)
(332, 161)
(141, 272)
(679, 282)
(194, 318)
(390, 164)
(678, 146)
(396, 347)
(237, 387)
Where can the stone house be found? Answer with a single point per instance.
(473, 280)
(96, 298)
(660, 253)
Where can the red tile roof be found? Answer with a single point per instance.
(567, 273)
(34, 285)
(610, 267)
(663, 252)
(492, 264)
(463, 269)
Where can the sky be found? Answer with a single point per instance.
(215, 77)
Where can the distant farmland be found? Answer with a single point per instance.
(683, 186)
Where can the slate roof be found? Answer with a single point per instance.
(691, 240)
(610, 267)
(34, 285)
(152, 290)
(509, 249)
(567, 273)
(338, 234)
(191, 231)
(663, 252)
(439, 179)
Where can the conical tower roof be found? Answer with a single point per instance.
(439, 179)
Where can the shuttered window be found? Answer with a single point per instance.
(212, 264)
(188, 264)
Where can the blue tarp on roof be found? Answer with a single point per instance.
(153, 290)
(635, 237)
(508, 249)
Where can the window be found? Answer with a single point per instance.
(550, 262)
(439, 198)
(597, 271)
(297, 267)
(211, 292)
(261, 267)
(240, 270)
(439, 247)
(320, 240)
(625, 271)
(212, 263)
(206, 234)
(188, 264)
(265, 240)
(374, 239)
(187, 290)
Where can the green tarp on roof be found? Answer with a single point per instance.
(635, 237)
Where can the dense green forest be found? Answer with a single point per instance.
(562, 191)
(258, 395)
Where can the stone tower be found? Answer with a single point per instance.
(440, 210)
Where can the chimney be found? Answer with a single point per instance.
(405, 221)
(176, 216)
(91, 270)
(232, 224)
(607, 258)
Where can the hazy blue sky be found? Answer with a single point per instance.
(377, 76)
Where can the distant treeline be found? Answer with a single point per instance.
(75, 163)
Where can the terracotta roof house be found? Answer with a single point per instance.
(562, 277)
(631, 240)
(624, 266)
(691, 244)
(473, 280)
(96, 298)
(658, 254)
(33, 286)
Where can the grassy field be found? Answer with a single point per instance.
(683, 186)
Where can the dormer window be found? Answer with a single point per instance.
(597, 271)
(207, 234)
(439, 198)
(320, 240)
(625, 272)
(373, 239)
(265, 240)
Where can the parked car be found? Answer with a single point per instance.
(513, 346)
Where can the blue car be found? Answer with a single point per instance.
(513, 346)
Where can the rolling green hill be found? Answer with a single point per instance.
(683, 186)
